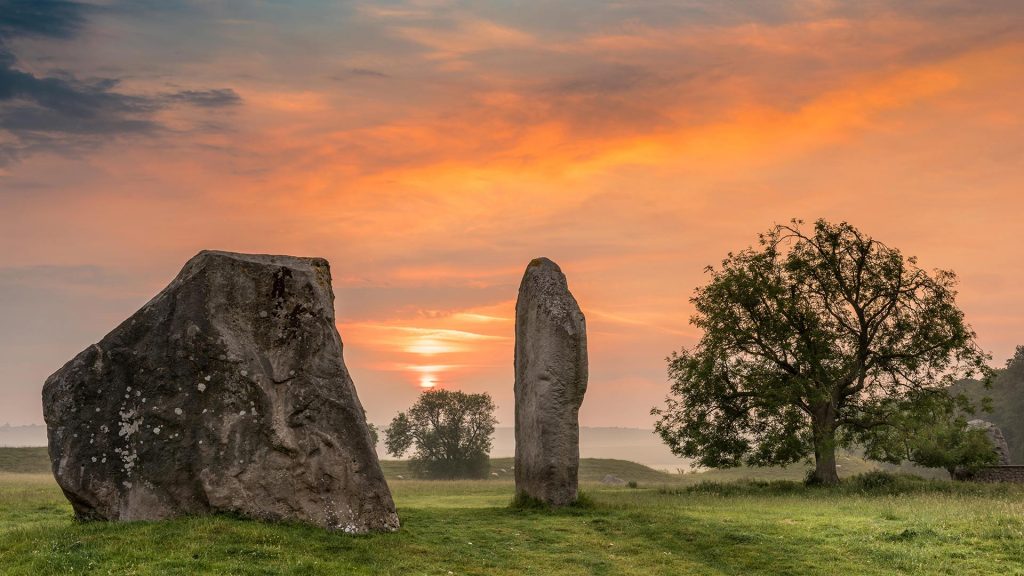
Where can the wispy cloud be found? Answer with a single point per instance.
(215, 98)
(431, 148)
(60, 111)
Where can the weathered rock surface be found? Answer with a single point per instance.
(551, 378)
(225, 393)
(995, 435)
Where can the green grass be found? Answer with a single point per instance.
(24, 460)
(868, 525)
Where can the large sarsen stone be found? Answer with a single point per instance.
(225, 393)
(551, 378)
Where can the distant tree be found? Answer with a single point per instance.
(1015, 365)
(813, 341)
(449, 433)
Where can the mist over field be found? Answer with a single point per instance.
(22, 436)
(634, 444)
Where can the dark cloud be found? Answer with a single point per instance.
(60, 111)
(609, 79)
(367, 73)
(357, 73)
(63, 104)
(63, 112)
(215, 98)
(52, 18)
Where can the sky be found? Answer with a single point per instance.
(429, 149)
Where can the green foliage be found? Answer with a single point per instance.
(449, 432)
(374, 432)
(875, 480)
(812, 342)
(954, 448)
(933, 433)
(959, 449)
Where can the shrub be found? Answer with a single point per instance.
(874, 480)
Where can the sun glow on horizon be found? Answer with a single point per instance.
(431, 348)
(428, 374)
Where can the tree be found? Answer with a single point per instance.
(450, 432)
(374, 433)
(958, 448)
(813, 341)
(932, 432)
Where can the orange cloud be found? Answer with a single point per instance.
(633, 151)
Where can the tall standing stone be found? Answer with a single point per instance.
(551, 378)
(227, 392)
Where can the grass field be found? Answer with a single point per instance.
(671, 524)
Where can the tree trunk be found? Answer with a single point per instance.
(825, 447)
